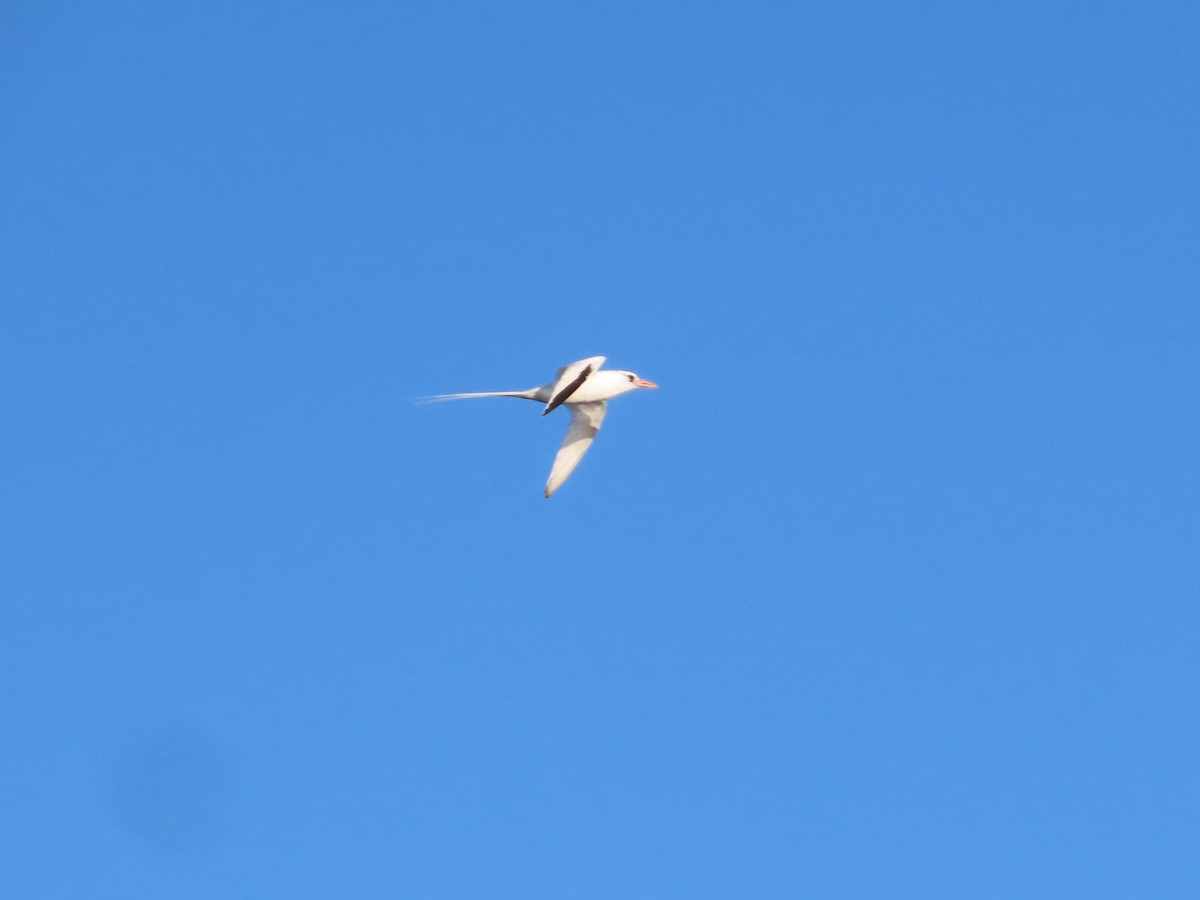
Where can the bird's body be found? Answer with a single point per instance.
(603, 385)
(583, 387)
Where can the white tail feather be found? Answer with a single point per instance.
(524, 395)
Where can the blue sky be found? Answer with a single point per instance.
(889, 591)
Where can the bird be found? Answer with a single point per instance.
(584, 389)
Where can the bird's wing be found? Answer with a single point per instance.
(585, 422)
(568, 380)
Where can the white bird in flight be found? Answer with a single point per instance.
(583, 388)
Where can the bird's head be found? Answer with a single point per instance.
(638, 382)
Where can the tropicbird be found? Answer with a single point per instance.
(583, 387)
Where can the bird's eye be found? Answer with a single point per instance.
(630, 376)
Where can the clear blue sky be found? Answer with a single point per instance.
(889, 591)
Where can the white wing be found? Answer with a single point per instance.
(585, 422)
(569, 378)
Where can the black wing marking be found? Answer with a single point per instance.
(557, 400)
